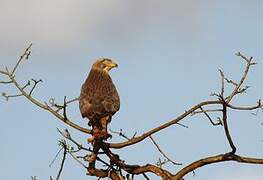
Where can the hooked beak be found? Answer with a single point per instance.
(110, 64)
(113, 65)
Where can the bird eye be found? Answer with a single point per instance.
(102, 65)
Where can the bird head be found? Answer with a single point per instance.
(105, 64)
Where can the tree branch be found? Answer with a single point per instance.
(224, 104)
(64, 146)
(248, 64)
(160, 150)
(26, 54)
(215, 159)
(159, 128)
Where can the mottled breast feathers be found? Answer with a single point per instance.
(99, 97)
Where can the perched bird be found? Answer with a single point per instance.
(99, 99)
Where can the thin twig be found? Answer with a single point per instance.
(26, 54)
(145, 176)
(160, 150)
(4, 72)
(247, 108)
(56, 156)
(222, 82)
(64, 145)
(206, 110)
(180, 124)
(65, 108)
(48, 108)
(5, 82)
(59, 107)
(76, 159)
(67, 135)
(120, 133)
(10, 96)
(210, 119)
(248, 64)
(34, 86)
(163, 126)
(230, 81)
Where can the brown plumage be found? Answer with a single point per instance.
(99, 99)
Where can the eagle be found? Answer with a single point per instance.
(99, 99)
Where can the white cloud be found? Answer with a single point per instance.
(58, 22)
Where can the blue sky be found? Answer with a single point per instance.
(168, 52)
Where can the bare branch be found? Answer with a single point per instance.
(26, 55)
(34, 86)
(10, 96)
(104, 173)
(160, 150)
(231, 81)
(226, 126)
(247, 108)
(44, 106)
(59, 107)
(222, 82)
(206, 110)
(210, 119)
(3, 72)
(248, 64)
(56, 156)
(159, 128)
(145, 176)
(215, 159)
(76, 159)
(115, 166)
(120, 133)
(48, 108)
(67, 135)
(64, 146)
(5, 82)
(65, 108)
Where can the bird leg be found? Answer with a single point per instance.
(104, 123)
(100, 130)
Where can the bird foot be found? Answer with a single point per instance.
(102, 135)
(91, 139)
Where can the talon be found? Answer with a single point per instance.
(91, 139)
